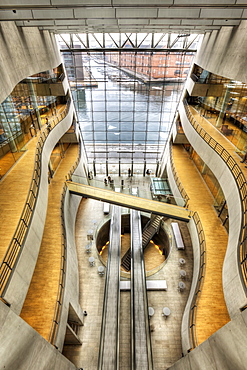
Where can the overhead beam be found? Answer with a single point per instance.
(128, 50)
(130, 201)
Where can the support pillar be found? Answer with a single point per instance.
(34, 102)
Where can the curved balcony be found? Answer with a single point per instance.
(24, 246)
(189, 335)
(211, 147)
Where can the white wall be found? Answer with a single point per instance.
(224, 350)
(23, 348)
(24, 52)
(224, 52)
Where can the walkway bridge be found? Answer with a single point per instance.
(130, 201)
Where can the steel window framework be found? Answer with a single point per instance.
(129, 122)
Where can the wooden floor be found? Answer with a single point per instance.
(39, 305)
(19, 177)
(212, 312)
(12, 200)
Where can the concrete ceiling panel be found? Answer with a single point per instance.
(133, 21)
(199, 22)
(94, 13)
(36, 23)
(226, 22)
(136, 13)
(179, 13)
(101, 14)
(72, 3)
(19, 3)
(53, 13)
(165, 21)
(101, 22)
(142, 2)
(204, 2)
(221, 13)
(74, 22)
(20, 14)
(207, 28)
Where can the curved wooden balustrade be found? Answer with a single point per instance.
(202, 262)
(61, 282)
(242, 187)
(200, 278)
(178, 182)
(15, 247)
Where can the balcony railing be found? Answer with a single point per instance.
(198, 288)
(15, 247)
(63, 265)
(242, 187)
(202, 260)
(178, 182)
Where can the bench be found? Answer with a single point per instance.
(177, 235)
(106, 208)
(150, 284)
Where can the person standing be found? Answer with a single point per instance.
(48, 124)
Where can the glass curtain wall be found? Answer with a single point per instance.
(224, 103)
(23, 113)
(125, 103)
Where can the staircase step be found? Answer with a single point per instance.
(147, 235)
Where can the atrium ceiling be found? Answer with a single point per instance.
(125, 16)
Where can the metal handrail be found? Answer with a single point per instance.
(178, 181)
(242, 187)
(202, 243)
(63, 265)
(116, 213)
(138, 296)
(14, 250)
(200, 278)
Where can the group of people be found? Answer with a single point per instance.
(108, 180)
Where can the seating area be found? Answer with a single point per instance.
(177, 235)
